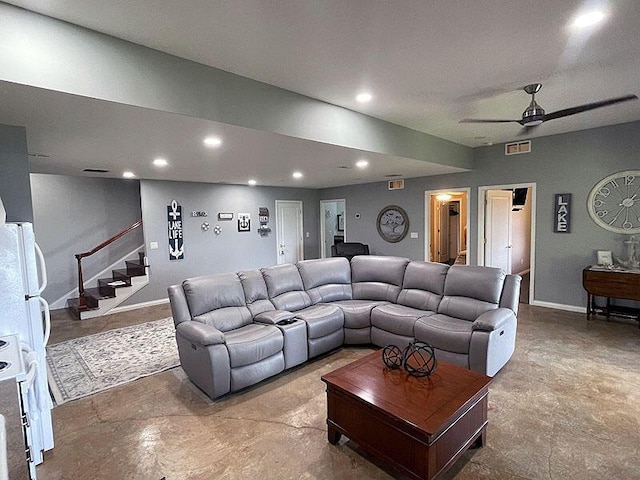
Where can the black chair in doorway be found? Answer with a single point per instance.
(349, 249)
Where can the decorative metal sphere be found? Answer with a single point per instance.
(392, 356)
(419, 359)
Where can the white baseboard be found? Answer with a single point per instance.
(135, 306)
(559, 306)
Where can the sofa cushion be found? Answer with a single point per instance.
(397, 319)
(357, 313)
(217, 300)
(376, 277)
(255, 292)
(444, 333)
(285, 287)
(252, 343)
(326, 279)
(481, 283)
(423, 285)
(469, 291)
(321, 319)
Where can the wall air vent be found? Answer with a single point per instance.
(396, 184)
(516, 148)
(95, 170)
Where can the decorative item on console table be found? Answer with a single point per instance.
(611, 282)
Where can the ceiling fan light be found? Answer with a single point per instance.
(533, 122)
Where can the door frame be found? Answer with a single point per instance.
(427, 216)
(323, 222)
(482, 192)
(300, 245)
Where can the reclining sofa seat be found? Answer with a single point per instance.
(475, 323)
(421, 293)
(324, 322)
(221, 349)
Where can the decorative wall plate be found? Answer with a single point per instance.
(392, 223)
(614, 202)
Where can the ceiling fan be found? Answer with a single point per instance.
(534, 115)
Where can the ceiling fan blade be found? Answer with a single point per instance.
(589, 106)
(480, 120)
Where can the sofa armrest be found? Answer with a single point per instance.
(273, 317)
(493, 319)
(200, 333)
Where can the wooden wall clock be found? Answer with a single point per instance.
(614, 202)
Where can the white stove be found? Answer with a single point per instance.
(15, 436)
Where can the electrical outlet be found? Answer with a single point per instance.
(153, 245)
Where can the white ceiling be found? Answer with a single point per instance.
(427, 63)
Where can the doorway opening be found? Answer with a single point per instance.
(446, 225)
(506, 231)
(289, 231)
(333, 227)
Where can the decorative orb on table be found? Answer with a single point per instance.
(392, 356)
(419, 359)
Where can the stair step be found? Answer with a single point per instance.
(135, 269)
(121, 274)
(96, 293)
(108, 286)
(74, 304)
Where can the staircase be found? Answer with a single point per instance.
(111, 292)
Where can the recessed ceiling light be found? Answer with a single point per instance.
(362, 163)
(252, 182)
(160, 162)
(588, 19)
(128, 174)
(297, 175)
(443, 197)
(212, 142)
(364, 97)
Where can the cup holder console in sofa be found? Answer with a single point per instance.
(237, 329)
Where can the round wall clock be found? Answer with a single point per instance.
(392, 223)
(614, 202)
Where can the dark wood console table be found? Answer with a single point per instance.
(611, 283)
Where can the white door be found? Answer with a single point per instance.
(498, 229)
(289, 231)
(443, 232)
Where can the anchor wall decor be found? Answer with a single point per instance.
(174, 224)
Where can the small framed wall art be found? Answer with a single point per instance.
(244, 222)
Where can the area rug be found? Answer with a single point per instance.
(88, 365)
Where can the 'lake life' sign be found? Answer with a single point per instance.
(562, 213)
(174, 221)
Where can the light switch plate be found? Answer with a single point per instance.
(153, 245)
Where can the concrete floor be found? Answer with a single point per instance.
(567, 406)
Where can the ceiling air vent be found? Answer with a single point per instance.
(95, 170)
(516, 148)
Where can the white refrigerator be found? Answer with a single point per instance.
(23, 312)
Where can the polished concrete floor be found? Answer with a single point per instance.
(567, 406)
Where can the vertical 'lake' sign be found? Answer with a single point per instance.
(562, 213)
(174, 221)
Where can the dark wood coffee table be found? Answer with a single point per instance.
(419, 426)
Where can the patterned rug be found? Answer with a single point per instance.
(88, 365)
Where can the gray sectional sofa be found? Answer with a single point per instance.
(236, 329)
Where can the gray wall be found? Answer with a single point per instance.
(568, 163)
(75, 214)
(15, 190)
(206, 252)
